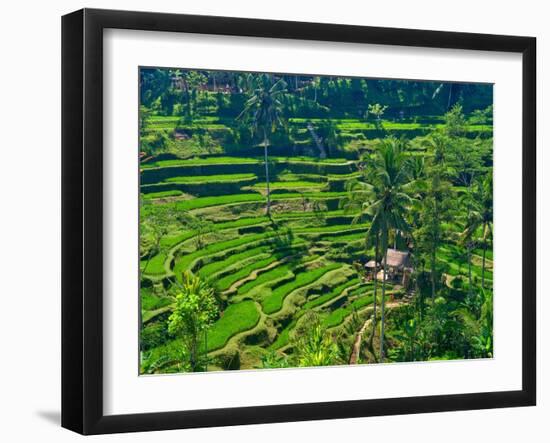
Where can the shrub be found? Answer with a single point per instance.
(153, 335)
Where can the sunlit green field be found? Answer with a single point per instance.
(203, 211)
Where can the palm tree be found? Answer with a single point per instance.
(481, 217)
(264, 108)
(436, 201)
(386, 200)
(466, 237)
(360, 196)
(390, 207)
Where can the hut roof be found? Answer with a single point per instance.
(398, 259)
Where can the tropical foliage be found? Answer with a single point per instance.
(296, 221)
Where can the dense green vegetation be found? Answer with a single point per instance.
(274, 207)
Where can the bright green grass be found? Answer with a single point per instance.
(310, 195)
(358, 125)
(337, 316)
(236, 318)
(149, 315)
(303, 159)
(154, 120)
(278, 216)
(155, 265)
(173, 239)
(366, 287)
(205, 202)
(288, 185)
(183, 263)
(150, 302)
(211, 178)
(219, 265)
(172, 122)
(226, 282)
(177, 238)
(335, 292)
(448, 254)
(284, 336)
(197, 161)
(333, 228)
(200, 162)
(302, 120)
(171, 350)
(162, 194)
(274, 302)
(345, 237)
(289, 215)
(270, 276)
(488, 253)
(292, 177)
(205, 127)
(240, 223)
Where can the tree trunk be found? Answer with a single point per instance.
(193, 353)
(469, 248)
(382, 308)
(483, 264)
(434, 247)
(470, 269)
(206, 350)
(432, 264)
(268, 207)
(418, 291)
(187, 99)
(375, 294)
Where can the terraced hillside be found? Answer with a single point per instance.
(268, 271)
(259, 191)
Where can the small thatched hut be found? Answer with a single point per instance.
(399, 267)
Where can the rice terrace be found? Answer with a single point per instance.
(297, 221)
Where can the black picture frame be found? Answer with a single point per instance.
(82, 218)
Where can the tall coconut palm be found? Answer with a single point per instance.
(436, 206)
(387, 198)
(394, 186)
(436, 201)
(358, 200)
(481, 217)
(467, 236)
(264, 108)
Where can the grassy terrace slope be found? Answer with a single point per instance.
(243, 179)
(268, 271)
(255, 262)
(157, 173)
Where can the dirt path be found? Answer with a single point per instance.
(359, 337)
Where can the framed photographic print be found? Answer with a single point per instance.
(270, 221)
